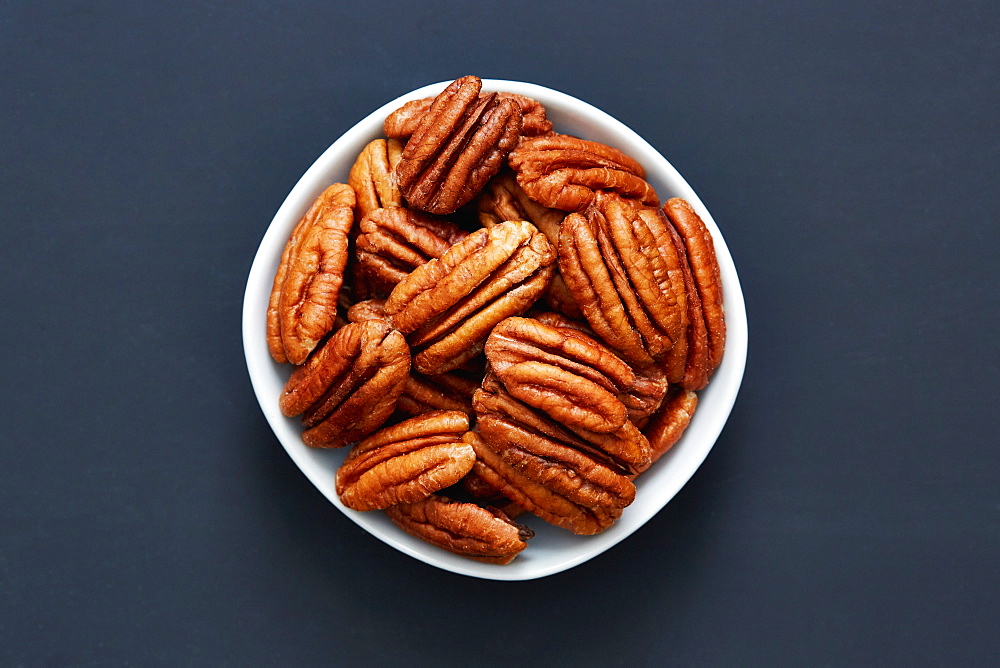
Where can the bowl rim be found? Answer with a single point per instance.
(722, 389)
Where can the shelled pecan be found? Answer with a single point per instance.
(304, 297)
(522, 340)
(349, 386)
(448, 306)
(395, 241)
(707, 339)
(622, 265)
(458, 145)
(581, 496)
(503, 199)
(403, 122)
(482, 534)
(667, 426)
(371, 176)
(406, 462)
(564, 172)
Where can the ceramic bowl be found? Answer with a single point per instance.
(552, 549)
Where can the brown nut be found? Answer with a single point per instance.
(482, 534)
(447, 307)
(406, 462)
(706, 339)
(371, 176)
(563, 172)
(621, 263)
(304, 297)
(522, 340)
(584, 503)
(395, 241)
(349, 386)
(403, 122)
(459, 144)
(443, 391)
(668, 425)
(503, 199)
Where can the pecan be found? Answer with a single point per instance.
(706, 339)
(395, 241)
(523, 340)
(304, 297)
(622, 265)
(483, 534)
(574, 381)
(564, 172)
(503, 199)
(371, 176)
(583, 497)
(402, 123)
(447, 307)
(443, 391)
(459, 144)
(668, 425)
(349, 386)
(406, 462)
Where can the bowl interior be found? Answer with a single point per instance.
(553, 549)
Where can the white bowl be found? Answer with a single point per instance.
(552, 549)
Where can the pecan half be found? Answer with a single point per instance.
(395, 241)
(503, 199)
(349, 386)
(707, 338)
(406, 462)
(563, 172)
(459, 144)
(621, 263)
(371, 176)
(403, 122)
(447, 307)
(303, 305)
(523, 340)
(668, 425)
(483, 534)
(580, 496)
(443, 391)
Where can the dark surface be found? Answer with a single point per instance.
(848, 514)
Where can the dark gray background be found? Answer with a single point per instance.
(849, 512)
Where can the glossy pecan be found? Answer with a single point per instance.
(403, 122)
(459, 144)
(447, 307)
(371, 176)
(503, 199)
(406, 462)
(570, 380)
(622, 265)
(602, 373)
(443, 391)
(349, 386)
(482, 534)
(395, 241)
(564, 172)
(667, 426)
(563, 488)
(304, 296)
(706, 338)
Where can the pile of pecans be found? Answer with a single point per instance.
(518, 308)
